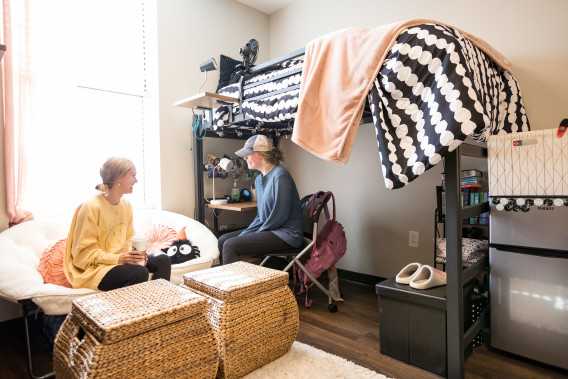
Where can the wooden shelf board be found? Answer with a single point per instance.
(205, 100)
(238, 207)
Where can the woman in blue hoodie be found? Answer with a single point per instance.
(278, 223)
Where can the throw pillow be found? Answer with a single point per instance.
(159, 237)
(472, 250)
(51, 264)
(182, 235)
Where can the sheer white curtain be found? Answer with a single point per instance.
(94, 100)
(18, 91)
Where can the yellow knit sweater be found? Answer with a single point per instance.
(99, 232)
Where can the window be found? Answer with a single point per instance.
(96, 98)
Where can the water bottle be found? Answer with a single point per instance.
(235, 192)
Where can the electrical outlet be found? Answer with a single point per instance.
(413, 238)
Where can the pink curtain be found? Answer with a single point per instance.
(17, 80)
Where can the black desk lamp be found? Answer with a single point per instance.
(208, 65)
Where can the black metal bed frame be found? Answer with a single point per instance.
(240, 126)
(457, 340)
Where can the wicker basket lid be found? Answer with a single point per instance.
(126, 312)
(235, 281)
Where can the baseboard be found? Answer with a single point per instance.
(357, 277)
(351, 276)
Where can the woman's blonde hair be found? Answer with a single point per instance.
(274, 156)
(113, 169)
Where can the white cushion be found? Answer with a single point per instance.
(21, 248)
(196, 232)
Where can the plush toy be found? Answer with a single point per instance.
(181, 251)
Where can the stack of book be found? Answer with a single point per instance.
(474, 188)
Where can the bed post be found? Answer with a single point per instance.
(454, 288)
(198, 174)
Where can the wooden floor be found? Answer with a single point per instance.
(352, 333)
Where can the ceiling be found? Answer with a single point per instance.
(266, 6)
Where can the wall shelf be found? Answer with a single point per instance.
(207, 100)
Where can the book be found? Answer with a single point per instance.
(466, 200)
(467, 185)
(471, 172)
(474, 200)
(472, 179)
(472, 185)
(467, 174)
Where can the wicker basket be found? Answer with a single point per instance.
(150, 330)
(253, 312)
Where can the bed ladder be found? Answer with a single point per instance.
(457, 339)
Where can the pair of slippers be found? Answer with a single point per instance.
(421, 277)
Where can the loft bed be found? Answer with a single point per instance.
(426, 88)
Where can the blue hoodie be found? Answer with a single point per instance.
(279, 207)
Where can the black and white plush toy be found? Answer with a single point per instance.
(182, 251)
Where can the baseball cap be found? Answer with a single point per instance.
(258, 142)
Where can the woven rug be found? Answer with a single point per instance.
(304, 361)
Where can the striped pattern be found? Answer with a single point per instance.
(159, 237)
(279, 108)
(51, 264)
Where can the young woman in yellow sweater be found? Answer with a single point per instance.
(99, 252)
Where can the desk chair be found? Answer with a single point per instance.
(311, 211)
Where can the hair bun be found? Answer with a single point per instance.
(102, 187)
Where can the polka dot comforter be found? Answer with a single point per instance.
(436, 88)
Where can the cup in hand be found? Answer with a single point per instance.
(139, 244)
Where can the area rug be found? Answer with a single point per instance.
(304, 361)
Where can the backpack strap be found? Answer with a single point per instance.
(304, 286)
(315, 209)
(327, 195)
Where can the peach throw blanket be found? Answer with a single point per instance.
(339, 71)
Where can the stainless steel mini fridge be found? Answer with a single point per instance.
(528, 282)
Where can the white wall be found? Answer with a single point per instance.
(531, 34)
(190, 32)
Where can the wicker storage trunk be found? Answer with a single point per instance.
(253, 312)
(150, 330)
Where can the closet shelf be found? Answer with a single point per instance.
(471, 150)
(474, 210)
(207, 100)
(472, 271)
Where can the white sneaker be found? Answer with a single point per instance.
(407, 273)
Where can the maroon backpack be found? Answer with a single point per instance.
(329, 246)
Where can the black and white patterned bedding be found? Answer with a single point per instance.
(277, 109)
(434, 89)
